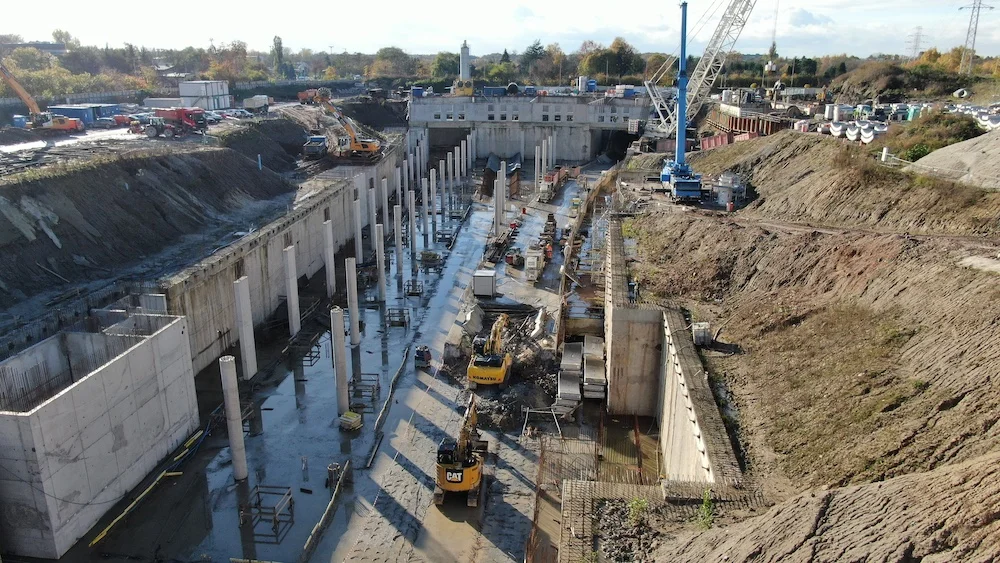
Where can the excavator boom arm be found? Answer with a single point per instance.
(8, 78)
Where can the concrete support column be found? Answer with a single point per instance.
(474, 149)
(465, 158)
(244, 324)
(434, 203)
(351, 265)
(406, 174)
(520, 139)
(538, 169)
(292, 291)
(380, 259)
(425, 196)
(412, 203)
(496, 206)
(359, 252)
(545, 156)
(234, 416)
(555, 148)
(449, 172)
(452, 156)
(503, 192)
(397, 228)
(399, 186)
(443, 173)
(385, 201)
(329, 252)
(339, 358)
(552, 150)
(372, 213)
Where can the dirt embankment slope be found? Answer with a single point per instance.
(821, 181)
(861, 356)
(865, 356)
(85, 221)
(947, 515)
(277, 141)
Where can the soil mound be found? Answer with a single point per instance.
(85, 221)
(374, 114)
(975, 162)
(276, 141)
(945, 515)
(16, 135)
(818, 180)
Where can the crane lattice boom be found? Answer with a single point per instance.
(703, 78)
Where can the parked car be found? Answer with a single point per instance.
(212, 117)
(104, 123)
(238, 113)
(142, 118)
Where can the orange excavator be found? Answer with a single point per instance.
(353, 145)
(42, 122)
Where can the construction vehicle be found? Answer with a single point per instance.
(314, 147)
(460, 462)
(39, 121)
(308, 96)
(177, 121)
(534, 262)
(550, 183)
(489, 364)
(353, 145)
(422, 357)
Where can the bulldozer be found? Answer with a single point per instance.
(460, 462)
(489, 364)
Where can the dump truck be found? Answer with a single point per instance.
(550, 183)
(315, 147)
(182, 120)
(257, 104)
(308, 96)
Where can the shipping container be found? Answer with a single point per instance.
(746, 136)
(530, 90)
(716, 141)
(494, 90)
(591, 85)
(416, 92)
(86, 114)
(203, 88)
(162, 102)
(105, 110)
(20, 121)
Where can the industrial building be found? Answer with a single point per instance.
(507, 125)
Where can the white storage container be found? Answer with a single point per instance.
(484, 283)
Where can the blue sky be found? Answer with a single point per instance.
(805, 27)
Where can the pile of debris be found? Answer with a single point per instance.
(17, 135)
(629, 529)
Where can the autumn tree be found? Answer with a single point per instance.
(445, 64)
(392, 61)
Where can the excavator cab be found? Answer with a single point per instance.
(460, 462)
(446, 451)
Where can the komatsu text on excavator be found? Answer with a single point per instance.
(489, 364)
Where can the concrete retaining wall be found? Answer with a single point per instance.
(67, 461)
(693, 439)
(204, 293)
(633, 341)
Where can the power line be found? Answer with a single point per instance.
(969, 52)
(915, 39)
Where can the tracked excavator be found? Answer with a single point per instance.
(460, 462)
(353, 145)
(42, 122)
(489, 364)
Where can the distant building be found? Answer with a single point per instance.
(48, 48)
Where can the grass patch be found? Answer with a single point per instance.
(706, 512)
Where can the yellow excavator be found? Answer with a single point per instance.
(460, 462)
(353, 144)
(42, 122)
(489, 364)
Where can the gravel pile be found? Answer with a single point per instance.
(628, 530)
